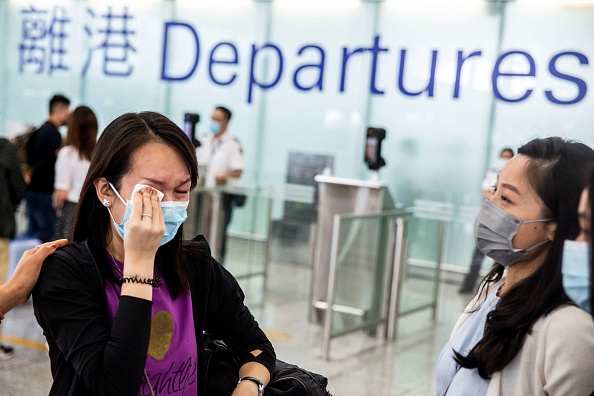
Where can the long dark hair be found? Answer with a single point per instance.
(82, 131)
(557, 171)
(112, 159)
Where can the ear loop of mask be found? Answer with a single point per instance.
(533, 247)
(121, 199)
(538, 244)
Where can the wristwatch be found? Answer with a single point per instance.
(255, 381)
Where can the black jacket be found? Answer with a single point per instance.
(42, 149)
(90, 358)
(12, 187)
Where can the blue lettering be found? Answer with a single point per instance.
(346, 54)
(375, 50)
(497, 74)
(581, 84)
(223, 63)
(164, 75)
(319, 66)
(252, 80)
(212, 61)
(430, 86)
(461, 60)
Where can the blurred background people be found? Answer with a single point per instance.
(12, 191)
(222, 156)
(469, 283)
(42, 150)
(71, 168)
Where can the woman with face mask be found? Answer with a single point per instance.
(521, 335)
(125, 305)
(578, 262)
(469, 283)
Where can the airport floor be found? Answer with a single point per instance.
(360, 364)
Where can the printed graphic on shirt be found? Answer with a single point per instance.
(177, 380)
(161, 335)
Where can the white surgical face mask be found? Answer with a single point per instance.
(500, 164)
(174, 213)
(576, 273)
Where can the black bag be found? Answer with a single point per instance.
(222, 374)
(222, 367)
(291, 380)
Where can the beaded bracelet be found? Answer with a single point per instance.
(154, 282)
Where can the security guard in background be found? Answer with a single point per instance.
(222, 156)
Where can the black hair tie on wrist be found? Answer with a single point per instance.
(154, 282)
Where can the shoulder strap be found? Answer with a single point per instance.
(200, 242)
(89, 256)
(200, 268)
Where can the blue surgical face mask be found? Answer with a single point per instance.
(174, 214)
(576, 273)
(214, 127)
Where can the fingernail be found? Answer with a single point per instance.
(53, 245)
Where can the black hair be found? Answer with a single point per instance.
(112, 159)
(58, 100)
(225, 111)
(557, 172)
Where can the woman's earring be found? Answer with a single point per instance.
(105, 202)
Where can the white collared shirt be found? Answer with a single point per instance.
(220, 155)
(71, 171)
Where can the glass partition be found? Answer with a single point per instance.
(236, 223)
(361, 273)
(370, 282)
(417, 287)
(248, 240)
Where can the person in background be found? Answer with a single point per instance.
(578, 260)
(125, 305)
(12, 191)
(71, 167)
(521, 335)
(222, 155)
(469, 283)
(42, 149)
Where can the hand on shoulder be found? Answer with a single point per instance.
(27, 271)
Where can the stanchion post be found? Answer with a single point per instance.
(441, 236)
(399, 265)
(327, 338)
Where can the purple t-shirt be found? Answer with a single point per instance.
(172, 361)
